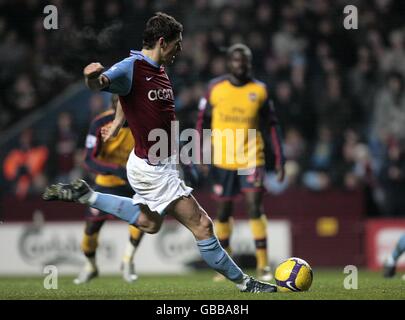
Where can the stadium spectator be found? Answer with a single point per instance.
(389, 110)
(23, 96)
(392, 180)
(64, 145)
(393, 58)
(363, 81)
(292, 109)
(24, 166)
(295, 147)
(321, 160)
(351, 169)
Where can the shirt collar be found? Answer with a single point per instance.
(149, 60)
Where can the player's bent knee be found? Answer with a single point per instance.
(149, 222)
(152, 227)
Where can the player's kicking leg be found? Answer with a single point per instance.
(121, 207)
(188, 212)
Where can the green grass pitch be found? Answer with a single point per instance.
(328, 284)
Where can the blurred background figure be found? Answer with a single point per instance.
(24, 166)
(320, 162)
(108, 160)
(390, 264)
(63, 147)
(392, 181)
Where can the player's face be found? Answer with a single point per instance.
(239, 64)
(172, 49)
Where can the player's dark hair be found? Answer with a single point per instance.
(239, 47)
(160, 25)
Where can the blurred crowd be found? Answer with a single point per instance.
(339, 93)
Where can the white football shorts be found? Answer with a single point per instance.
(155, 185)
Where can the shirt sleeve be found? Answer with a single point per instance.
(120, 76)
(204, 114)
(269, 121)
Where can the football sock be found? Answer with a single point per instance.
(259, 230)
(121, 207)
(135, 235)
(90, 263)
(89, 247)
(129, 252)
(89, 244)
(217, 258)
(223, 230)
(399, 249)
(134, 239)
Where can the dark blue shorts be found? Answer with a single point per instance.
(227, 184)
(97, 215)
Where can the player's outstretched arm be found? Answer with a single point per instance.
(93, 78)
(111, 130)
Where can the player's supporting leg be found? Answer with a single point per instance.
(188, 212)
(89, 247)
(391, 262)
(223, 229)
(128, 268)
(258, 226)
(121, 207)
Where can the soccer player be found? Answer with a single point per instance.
(108, 160)
(146, 95)
(391, 263)
(238, 102)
